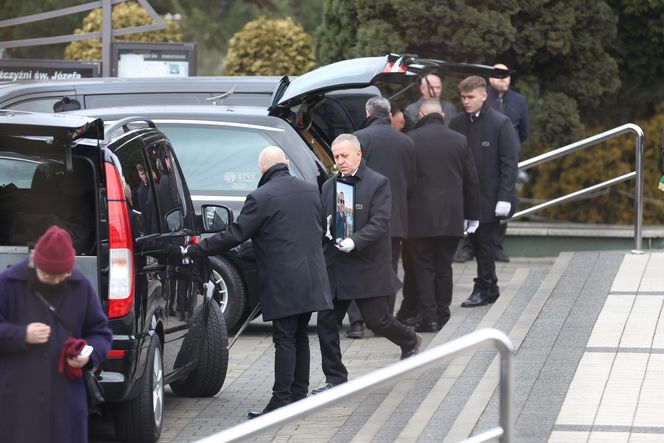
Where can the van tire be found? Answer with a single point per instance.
(232, 291)
(209, 376)
(140, 419)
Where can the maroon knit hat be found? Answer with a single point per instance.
(54, 252)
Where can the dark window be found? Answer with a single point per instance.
(138, 188)
(168, 180)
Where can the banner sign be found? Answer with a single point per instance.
(25, 69)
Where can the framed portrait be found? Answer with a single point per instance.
(344, 202)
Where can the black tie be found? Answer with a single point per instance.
(502, 108)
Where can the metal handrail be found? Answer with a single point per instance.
(385, 375)
(586, 142)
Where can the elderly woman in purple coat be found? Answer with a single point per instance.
(39, 401)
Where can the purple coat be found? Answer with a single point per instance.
(37, 403)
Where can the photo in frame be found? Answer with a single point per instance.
(344, 202)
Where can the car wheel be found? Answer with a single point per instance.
(232, 293)
(211, 339)
(140, 419)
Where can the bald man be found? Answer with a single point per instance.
(431, 86)
(284, 219)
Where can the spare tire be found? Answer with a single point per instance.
(207, 339)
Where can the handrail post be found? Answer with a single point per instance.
(506, 379)
(638, 223)
(586, 142)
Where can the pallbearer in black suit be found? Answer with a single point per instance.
(284, 220)
(444, 203)
(495, 148)
(390, 153)
(359, 267)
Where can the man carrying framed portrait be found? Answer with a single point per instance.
(360, 265)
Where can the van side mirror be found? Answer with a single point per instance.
(216, 217)
(174, 220)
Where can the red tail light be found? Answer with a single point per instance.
(116, 353)
(121, 248)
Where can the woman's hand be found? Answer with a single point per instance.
(78, 362)
(37, 333)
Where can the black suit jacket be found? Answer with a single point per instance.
(390, 153)
(495, 148)
(367, 270)
(447, 189)
(283, 217)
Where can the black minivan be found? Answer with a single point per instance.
(126, 204)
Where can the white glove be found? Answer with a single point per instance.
(471, 226)
(327, 231)
(503, 208)
(346, 245)
(185, 260)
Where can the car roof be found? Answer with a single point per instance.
(255, 84)
(248, 114)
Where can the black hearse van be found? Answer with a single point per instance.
(167, 325)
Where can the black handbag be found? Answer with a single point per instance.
(93, 388)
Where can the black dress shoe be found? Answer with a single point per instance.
(475, 299)
(254, 414)
(491, 298)
(405, 353)
(431, 326)
(271, 406)
(356, 330)
(323, 388)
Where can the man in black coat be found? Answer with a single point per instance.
(390, 153)
(445, 202)
(359, 266)
(284, 219)
(495, 148)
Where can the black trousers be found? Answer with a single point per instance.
(432, 267)
(484, 244)
(374, 310)
(353, 311)
(291, 358)
(466, 245)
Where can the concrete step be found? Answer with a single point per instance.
(548, 356)
(408, 410)
(527, 239)
(543, 311)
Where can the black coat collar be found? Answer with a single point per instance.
(372, 120)
(278, 170)
(428, 119)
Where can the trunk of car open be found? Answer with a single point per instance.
(36, 191)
